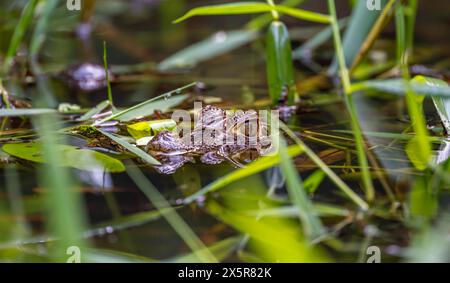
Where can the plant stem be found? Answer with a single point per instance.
(374, 33)
(105, 62)
(275, 14)
(333, 177)
(413, 101)
(168, 94)
(18, 35)
(359, 140)
(171, 216)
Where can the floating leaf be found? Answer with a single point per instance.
(149, 128)
(83, 159)
(216, 45)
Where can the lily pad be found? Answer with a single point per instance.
(83, 159)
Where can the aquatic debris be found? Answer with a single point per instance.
(87, 76)
(217, 136)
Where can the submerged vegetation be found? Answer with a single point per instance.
(93, 169)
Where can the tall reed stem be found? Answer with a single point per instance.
(359, 140)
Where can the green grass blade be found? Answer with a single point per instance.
(19, 33)
(360, 147)
(400, 87)
(40, 31)
(253, 8)
(162, 102)
(227, 9)
(178, 224)
(442, 104)
(280, 70)
(108, 82)
(419, 148)
(94, 111)
(333, 177)
(253, 168)
(263, 20)
(303, 14)
(361, 22)
(211, 47)
(65, 218)
(274, 239)
(311, 222)
(132, 148)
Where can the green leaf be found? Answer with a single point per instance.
(314, 180)
(132, 148)
(280, 70)
(399, 87)
(162, 102)
(148, 109)
(324, 210)
(19, 33)
(422, 200)
(216, 45)
(25, 112)
(149, 128)
(418, 157)
(257, 166)
(306, 212)
(83, 159)
(273, 238)
(94, 111)
(442, 104)
(253, 8)
(361, 22)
